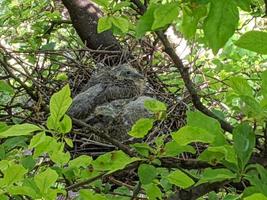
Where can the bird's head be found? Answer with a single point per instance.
(126, 72)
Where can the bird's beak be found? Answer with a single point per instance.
(140, 76)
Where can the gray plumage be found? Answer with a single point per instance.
(121, 82)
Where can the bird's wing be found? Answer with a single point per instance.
(85, 102)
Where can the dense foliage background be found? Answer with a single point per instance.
(205, 61)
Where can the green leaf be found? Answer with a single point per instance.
(37, 139)
(240, 86)
(5, 87)
(69, 142)
(120, 23)
(28, 162)
(244, 4)
(112, 161)
(85, 194)
(65, 124)
(189, 134)
(211, 125)
(254, 41)
(165, 14)
(142, 148)
(146, 173)
(49, 46)
(244, 142)
(103, 3)
(221, 23)
(19, 129)
(45, 180)
(264, 84)
(174, 149)
(215, 175)
(155, 106)
(256, 196)
(22, 190)
(213, 155)
(141, 127)
(190, 19)
(81, 161)
(145, 22)
(153, 191)
(59, 104)
(180, 179)
(60, 157)
(104, 23)
(13, 173)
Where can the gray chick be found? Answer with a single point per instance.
(120, 82)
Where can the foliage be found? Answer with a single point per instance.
(227, 62)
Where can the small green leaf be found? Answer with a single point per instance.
(189, 134)
(180, 179)
(165, 14)
(254, 41)
(112, 161)
(61, 77)
(59, 104)
(240, 86)
(104, 23)
(141, 127)
(85, 194)
(81, 161)
(215, 175)
(244, 142)
(146, 173)
(69, 142)
(22, 190)
(221, 23)
(19, 129)
(13, 173)
(49, 46)
(153, 191)
(45, 180)
(65, 124)
(60, 157)
(4, 87)
(174, 149)
(155, 106)
(120, 23)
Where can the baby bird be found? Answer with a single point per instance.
(120, 82)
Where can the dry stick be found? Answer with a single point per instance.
(105, 136)
(184, 73)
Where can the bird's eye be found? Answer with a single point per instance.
(128, 72)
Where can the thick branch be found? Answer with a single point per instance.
(84, 15)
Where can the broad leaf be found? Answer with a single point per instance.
(85, 194)
(244, 142)
(141, 127)
(153, 191)
(45, 180)
(221, 23)
(155, 106)
(244, 4)
(104, 23)
(189, 134)
(240, 86)
(19, 129)
(254, 41)
(145, 22)
(112, 161)
(146, 173)
(215, 175)
(120, 23)
(13, 173)
(81, 161)
(165, 14)
(180, 179)
(198, 119)
(174, 149)
(4, 87)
